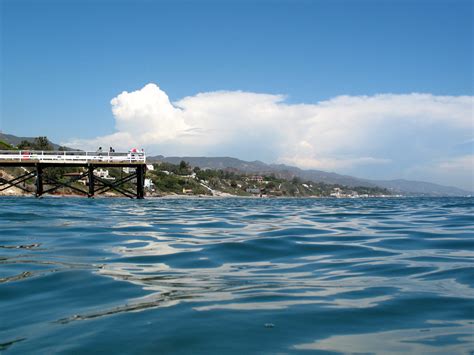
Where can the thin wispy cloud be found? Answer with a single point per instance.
(380, 136)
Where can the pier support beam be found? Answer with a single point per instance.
(39, 180)
(141, 181)
(91, 179)
(17, 182)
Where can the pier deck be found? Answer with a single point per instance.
(73, 158)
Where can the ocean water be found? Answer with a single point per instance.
(236, 276)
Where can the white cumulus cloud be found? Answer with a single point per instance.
(379, 136)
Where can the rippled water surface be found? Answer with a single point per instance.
(236, 276)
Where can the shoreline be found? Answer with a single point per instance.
(220, 196)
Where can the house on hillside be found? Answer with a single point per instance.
(149, 185)
(103, 174)
(256, 178)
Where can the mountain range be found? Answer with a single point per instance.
(399, 186)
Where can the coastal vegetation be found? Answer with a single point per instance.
(39, 143)
(181, 178)
(6, 146)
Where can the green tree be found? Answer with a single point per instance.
(42, 143)
(296, 180)
(24, 145)
(184, 168)
(271, 185)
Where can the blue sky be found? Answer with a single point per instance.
(62, 62)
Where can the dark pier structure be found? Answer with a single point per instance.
(36, 165)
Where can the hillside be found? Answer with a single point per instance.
(5, 146)
(281, 170)
(169, 178)
(406, 187)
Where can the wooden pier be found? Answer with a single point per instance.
(35, 163)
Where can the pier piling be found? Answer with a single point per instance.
(39, 180)
(90, 178)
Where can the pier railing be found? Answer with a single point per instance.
(71, 156)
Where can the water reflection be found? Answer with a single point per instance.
(451, 338)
